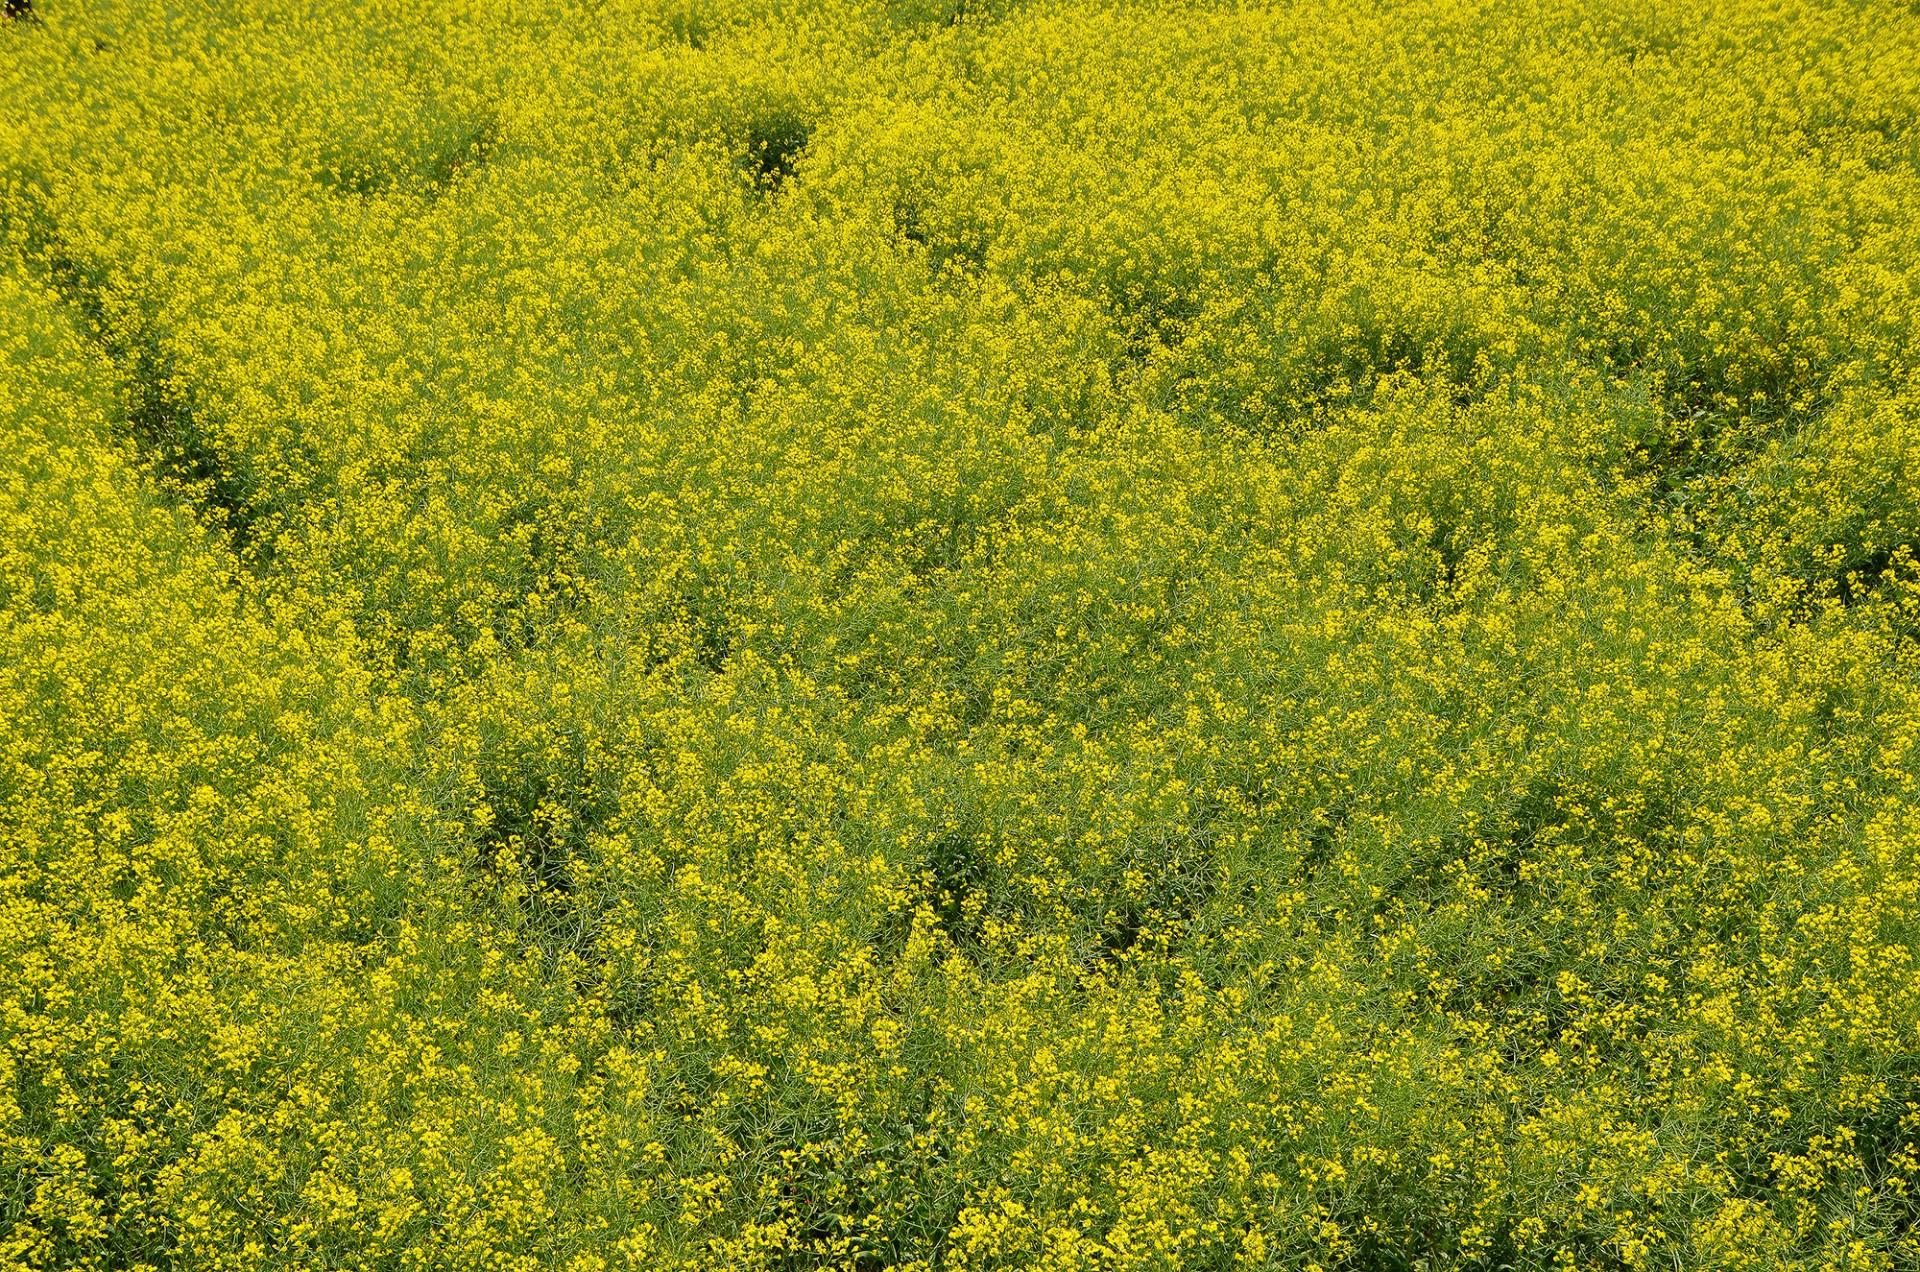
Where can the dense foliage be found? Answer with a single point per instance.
(960, 634)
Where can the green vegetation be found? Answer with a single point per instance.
(862, 634)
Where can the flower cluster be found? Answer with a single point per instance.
(1083, 634)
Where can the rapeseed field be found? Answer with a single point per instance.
(960, 634)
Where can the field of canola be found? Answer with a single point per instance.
(1083, 634)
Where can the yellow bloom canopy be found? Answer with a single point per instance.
(910, 634)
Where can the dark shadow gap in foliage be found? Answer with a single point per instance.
(429, 176)
(1179, 888)
(1437, 1246)
(1445, 551)
(1883, 1142)
(1702, 431)
(549, 591)
(887, 1200)
(946, 250)
(713, 639)
(775, 142)
(1701, 444)
(126, 1234)
(1862, 578)
(818, 1203)
(1398, 1215)
(542, 822)
(697, 629)
(1150, 317)
(1881, 144)
(687, 27)
(1313, 380)
(552, 588)
(162, 418)
(954, 880)
(926, 17)
(1709, 421)
(472, 150)
(1513, 854)
(957, 885)
(18, 11)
